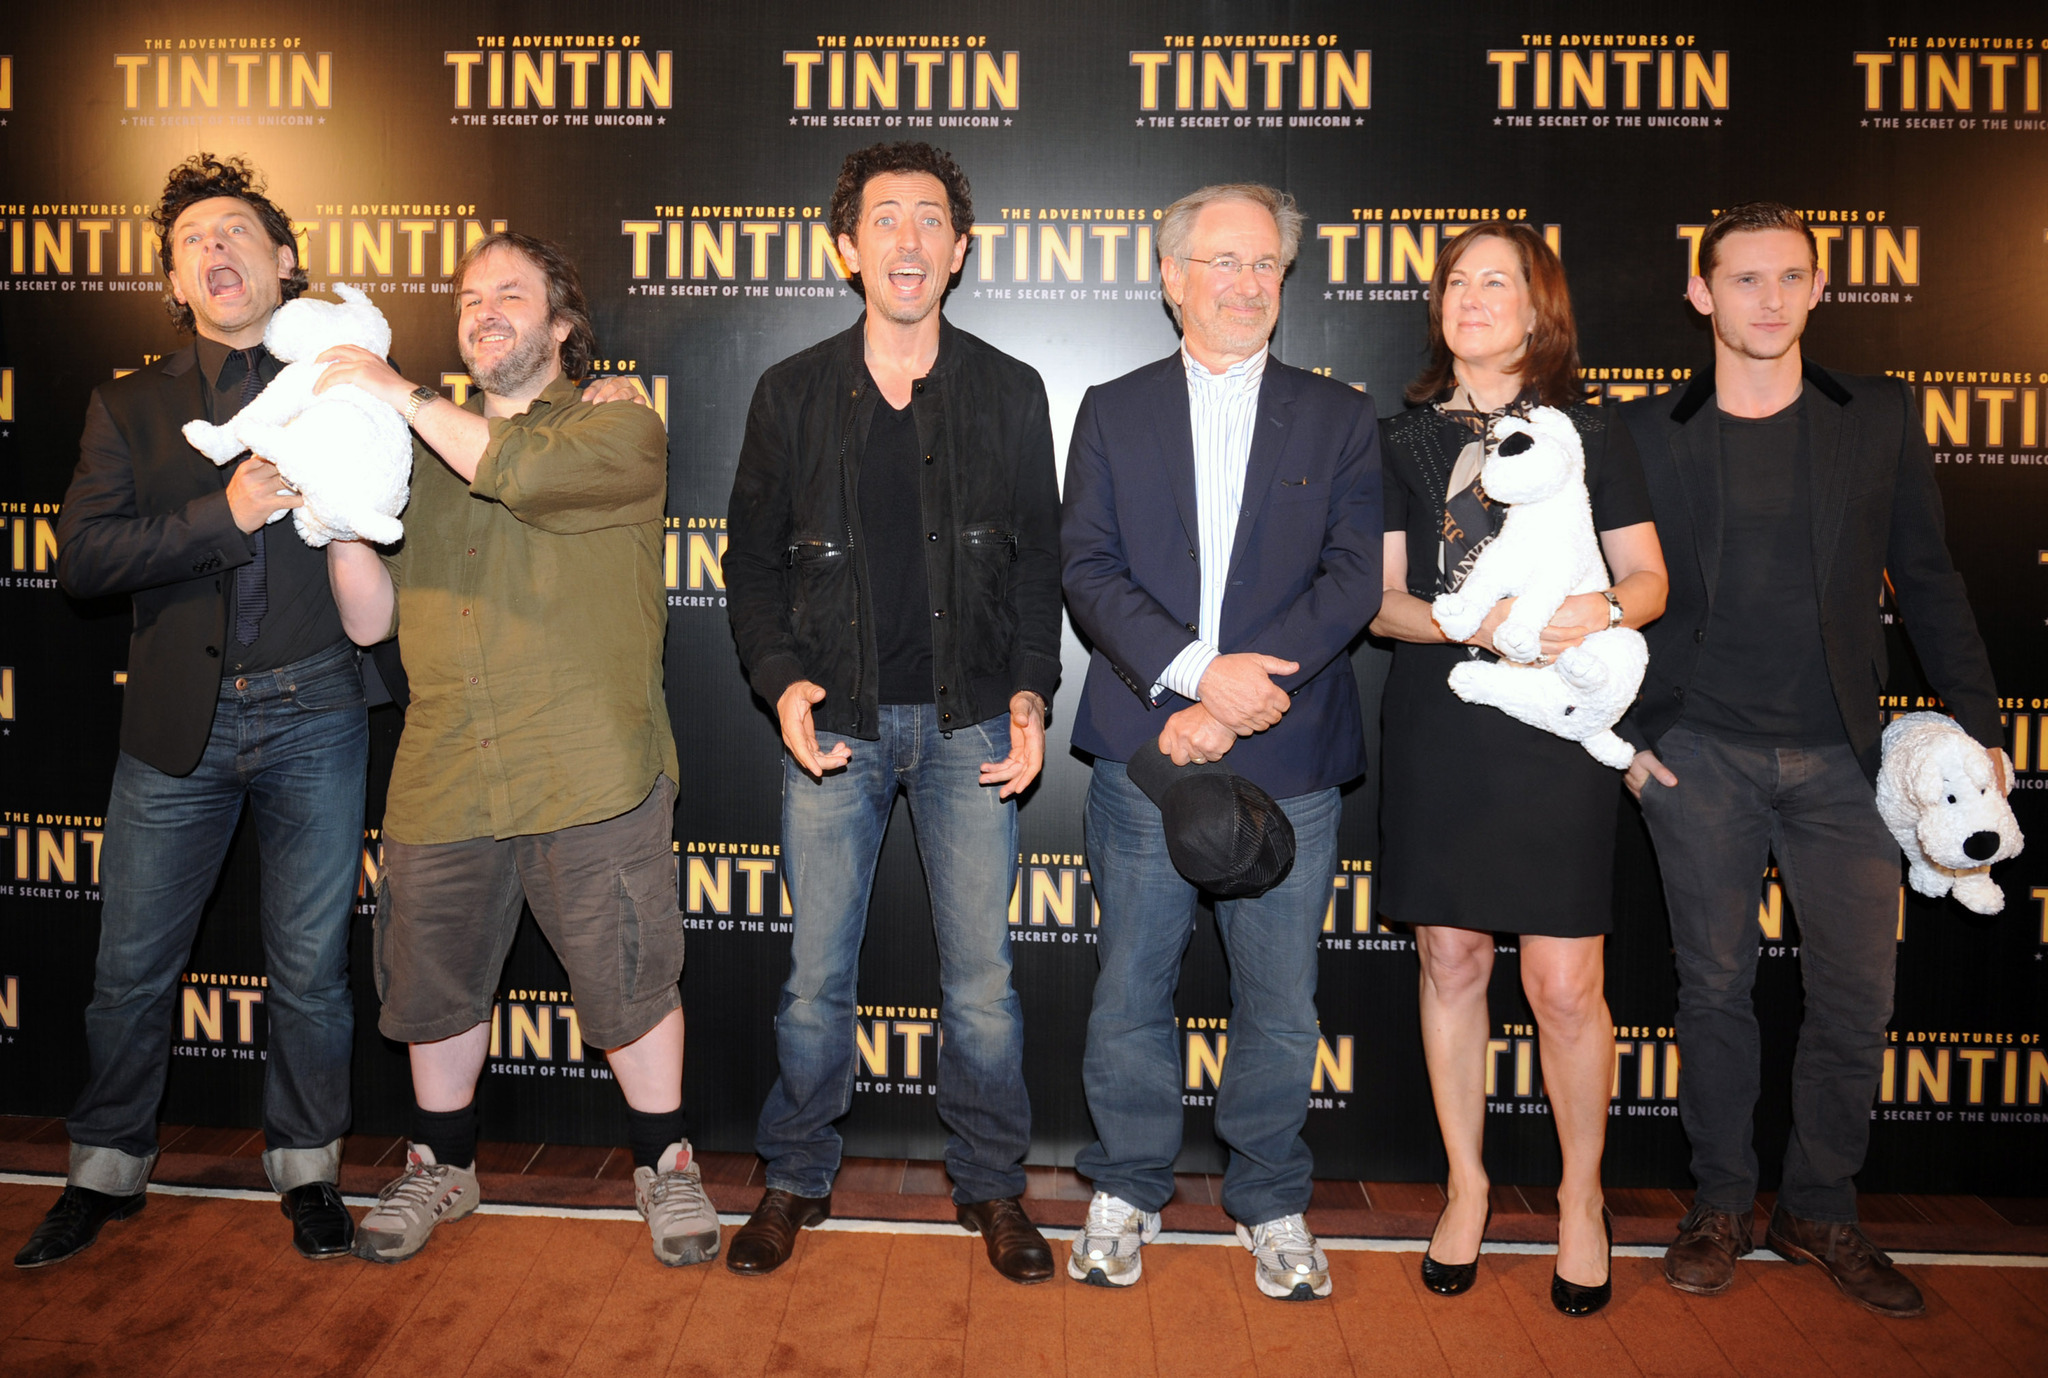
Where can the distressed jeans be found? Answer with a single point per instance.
(967, 839)
(1132, 1067)
(294, 743)
(1733, 807)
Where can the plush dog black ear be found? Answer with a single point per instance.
(1223, 832)
(1516, 443)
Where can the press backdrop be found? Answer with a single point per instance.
(684, 153)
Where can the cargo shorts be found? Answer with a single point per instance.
(603, 893)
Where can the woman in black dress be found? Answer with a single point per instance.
(1489, 825)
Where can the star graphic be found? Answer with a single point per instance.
(1496, 120)
(1909, 296)
(1326, 297)
(452, 119)
(323, 119)
(792, 121)
(1717, 121)
(658, 119)
(977, 297)
(1140, 122)
(1008, 123)
(1866, 124)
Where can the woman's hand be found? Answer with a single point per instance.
(1577, 618)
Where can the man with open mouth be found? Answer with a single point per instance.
(893, 580)
(241, 686)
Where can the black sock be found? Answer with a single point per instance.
(449, 1134)
(650, 1135)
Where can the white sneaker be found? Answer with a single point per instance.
(1106, 1250)
(1287, 1261)
(670, 1196)
(407, 1210)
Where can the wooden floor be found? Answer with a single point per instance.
(893, 1189)
(210, 1286)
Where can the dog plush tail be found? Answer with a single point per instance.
(217, 443)
(1610, 750)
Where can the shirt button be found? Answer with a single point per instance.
(1700, 634)
(465, 612)
(1192, 628)
(932, 536)
(472, 679)
(918, 386)
(472, 550)
(938, 612)
(927, 459)
(942, 688)
(1679, 692)
(484, 742)
(1192, 555)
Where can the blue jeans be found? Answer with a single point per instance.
(1132, 1068)
(295, 743)
(1813, 808)
(967, 838)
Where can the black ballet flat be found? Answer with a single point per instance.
(1449, 1279)
(1575, 1300)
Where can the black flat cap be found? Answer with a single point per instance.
(1224, 833)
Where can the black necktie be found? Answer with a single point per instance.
(252, 588)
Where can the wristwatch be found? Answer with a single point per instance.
(1613, 608)
(421, 395)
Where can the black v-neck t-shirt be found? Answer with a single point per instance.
(892, 518)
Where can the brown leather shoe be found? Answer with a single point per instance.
(1861, 1269)
(1702, 1259)
(763, 1244)
(1016, 1248)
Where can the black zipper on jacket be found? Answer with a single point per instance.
(860, 641)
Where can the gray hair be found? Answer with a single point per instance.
(1179, 221)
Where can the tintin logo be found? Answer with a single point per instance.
(55, 855)
(1377, 245)
(1644, 1081)
(1601, 81)
(1970, 1078)
(712, 899)
(536, 1033)
(1034, 251)
(908, 81)
(6, 693)
(6, 396)
(1857, 248)
(1988, 418)
(217, 1015)
(553, 79)
(1248, 81)
(184, 77)
(898, 1049)
(90, 242)
(28, 535)
(1925, 83)
(10, 1004)
(711, 250)
(1626, 384)
(6, 82)
(382, 240)
(693, 559)
(1206, 1047)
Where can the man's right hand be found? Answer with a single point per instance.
(1239, 692)
(793, 709)
(1193, 734)
(1642, 768)
(256, 490)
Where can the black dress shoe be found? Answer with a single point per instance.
(764, 1243)
(1576, 1300)
(1449, 1279)
(321, 1225)
(74, 1223)
(1016, 1248)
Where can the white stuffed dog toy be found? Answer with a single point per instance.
(1545, 552)
(1937, 793)
(349, 454)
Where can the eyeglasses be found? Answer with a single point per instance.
(1226, 265)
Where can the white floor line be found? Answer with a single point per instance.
(937, 1227)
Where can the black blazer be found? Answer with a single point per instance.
(147, 515)
(1876, 514)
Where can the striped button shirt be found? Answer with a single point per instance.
(1222, 410)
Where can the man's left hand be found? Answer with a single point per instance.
(354, 364)
(1577, 618)
(1016, 771)
(622, 387)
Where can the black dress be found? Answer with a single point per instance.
(1485, 822)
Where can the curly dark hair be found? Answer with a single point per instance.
(864, 165)
(565, 292)
(202, 177)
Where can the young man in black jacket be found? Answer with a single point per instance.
(892, 571)
(1785, 494)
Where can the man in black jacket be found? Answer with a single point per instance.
(892, 571)
(1785, 495)
(240, 686)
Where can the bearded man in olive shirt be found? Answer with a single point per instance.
(537, 763)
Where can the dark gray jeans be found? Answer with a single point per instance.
(1813, 809)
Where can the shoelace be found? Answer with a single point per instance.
(1108, 1216)
(677, 1183)
(414, 1191)
(1288, 1235)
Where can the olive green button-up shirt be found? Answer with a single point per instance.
(532, 616)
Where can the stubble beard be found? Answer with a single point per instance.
(528, 359)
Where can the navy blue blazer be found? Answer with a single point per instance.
(1304, 574)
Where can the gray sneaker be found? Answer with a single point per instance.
(1287, 1261)
(1106, 1249)
(424, 1195)
(671, 1198)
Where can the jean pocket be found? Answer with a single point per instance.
(650, 927)
(338, 689)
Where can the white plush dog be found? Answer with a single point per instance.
(349, 454)
(1579, 698)
(1937, 793)
(1545, 552)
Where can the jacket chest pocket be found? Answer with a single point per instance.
(815, 567)
(987, 550)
